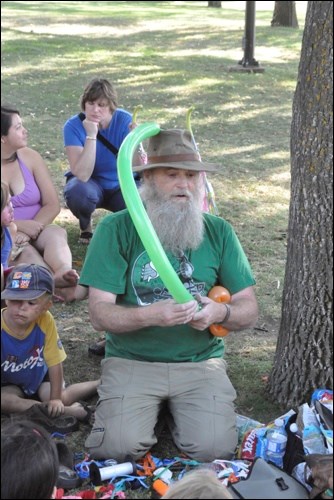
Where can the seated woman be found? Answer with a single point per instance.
(36, 204)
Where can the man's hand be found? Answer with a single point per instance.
(206, 315)
(170, 313)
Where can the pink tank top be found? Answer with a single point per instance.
(28, 203)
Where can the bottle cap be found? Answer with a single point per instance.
(294, 428)
(279, 422)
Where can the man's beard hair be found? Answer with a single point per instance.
(179, 226)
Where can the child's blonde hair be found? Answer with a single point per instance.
(200, 483)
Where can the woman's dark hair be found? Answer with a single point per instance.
(6, 118)
(99, 88)
(29, 461)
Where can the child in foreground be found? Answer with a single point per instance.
(29, 461)
(32, 354)
(200, 483)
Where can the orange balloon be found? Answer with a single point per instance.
(219, 294)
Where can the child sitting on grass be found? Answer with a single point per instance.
(32, 354)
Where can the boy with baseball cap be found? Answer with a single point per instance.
(32, 354)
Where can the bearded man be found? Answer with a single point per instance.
(161, 353)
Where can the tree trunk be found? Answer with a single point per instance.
(304, 355)
(214, 4)
(285, 15)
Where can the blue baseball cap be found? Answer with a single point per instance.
(28, 282)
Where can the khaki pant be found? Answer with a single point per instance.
(199, 397)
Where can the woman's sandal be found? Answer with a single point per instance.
(85, 237)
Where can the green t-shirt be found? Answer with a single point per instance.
(117, 262)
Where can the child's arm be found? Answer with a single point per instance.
(13, 230)
(55, 405)
(16, 249)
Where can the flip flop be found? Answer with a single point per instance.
(98, 349)
(39, 413)
(85, 237)
(68, 478)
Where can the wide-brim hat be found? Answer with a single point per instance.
(174, 148)
(28, 282)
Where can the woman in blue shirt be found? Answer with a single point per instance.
(92, 181)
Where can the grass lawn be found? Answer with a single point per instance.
(168, 56)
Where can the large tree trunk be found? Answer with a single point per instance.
(304, 355)
(285, 15)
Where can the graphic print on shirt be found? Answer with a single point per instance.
(34, 359)
(148, 286)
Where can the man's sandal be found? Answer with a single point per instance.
(85, 237)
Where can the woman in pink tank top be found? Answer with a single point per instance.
(36, 204)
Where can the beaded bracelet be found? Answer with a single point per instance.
(90, 138)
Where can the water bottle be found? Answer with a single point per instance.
(294, 429)
(276, 443)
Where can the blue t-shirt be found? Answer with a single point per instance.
(26, 360)
(6, 248)
(105, 168)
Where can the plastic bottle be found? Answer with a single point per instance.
(313, 440)
(276, 443)
(295, 430)
(160, 487)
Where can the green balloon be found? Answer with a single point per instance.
(138, 213)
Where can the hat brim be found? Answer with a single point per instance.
(16, 294)
(184, 165)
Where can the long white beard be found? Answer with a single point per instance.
(179, 226)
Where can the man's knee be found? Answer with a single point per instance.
(104, 443)
(206, 436)
(206, 450)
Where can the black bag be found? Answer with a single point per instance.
(294, 453)
(267, 481)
